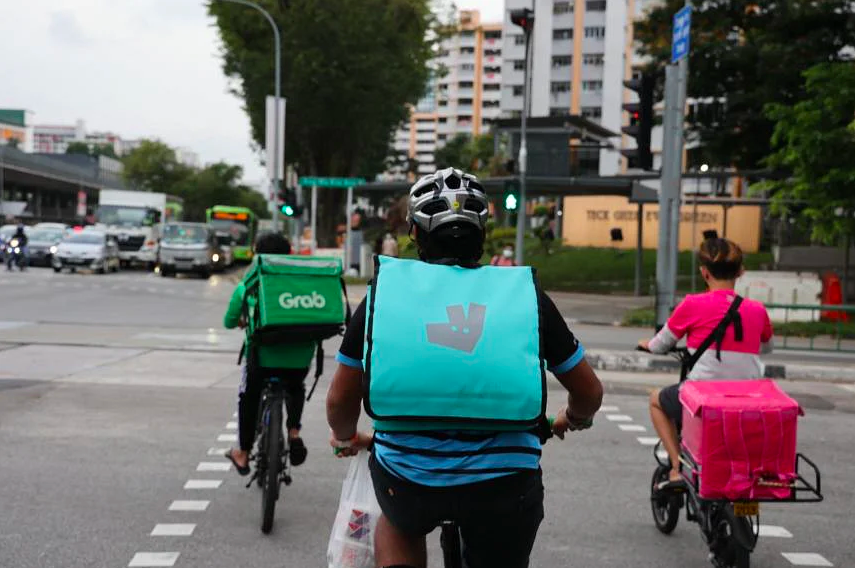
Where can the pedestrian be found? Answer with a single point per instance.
(390, 246)
(547, 237)
(504, 259)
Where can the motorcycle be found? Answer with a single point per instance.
(15, 255)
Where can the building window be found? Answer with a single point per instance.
(467, 51)
(562, 60)
(492, 52)
(559, 87)
(464, 102)
(465, 85)
(493, 35)
(558, 111)
(467, 67)
(490, 104)
(518, 90)
(519, 64)
(592, 112)
(467, 33)
(566, 34)
(596, 32)
(442, 53)
(492, 87)
(442, 120)
(519, 39)
(492, 70)
(592, 85)
(442, 103)
(562, 8)
(592, 59)
(595, 5)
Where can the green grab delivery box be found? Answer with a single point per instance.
(297, 298)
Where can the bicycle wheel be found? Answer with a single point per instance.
(270, 480)
(665, 508)
(727, 547)
(449, 540)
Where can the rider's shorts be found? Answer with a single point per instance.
(669, 400)
(498, 518)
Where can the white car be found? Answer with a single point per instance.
(87, 249)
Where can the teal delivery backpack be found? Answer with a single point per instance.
(453, 348)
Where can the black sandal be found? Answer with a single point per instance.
(242, 470)
(297, 451)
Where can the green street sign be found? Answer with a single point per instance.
(330, 181)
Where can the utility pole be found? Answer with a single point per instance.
(524, 18)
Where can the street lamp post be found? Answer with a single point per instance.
(524, 18)
(277, 154)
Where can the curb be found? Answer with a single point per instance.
(636, 362)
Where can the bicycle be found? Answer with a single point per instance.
(730, 528)
(271, 456)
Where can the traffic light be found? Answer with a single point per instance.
(288, 203)
(511, 199)
(640, 122)
(524, 18)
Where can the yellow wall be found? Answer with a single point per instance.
(588, 221)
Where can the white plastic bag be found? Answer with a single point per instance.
(352, 537)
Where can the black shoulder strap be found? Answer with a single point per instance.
(347, 314)
(717, 335)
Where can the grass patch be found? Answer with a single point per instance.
(815, 329)
(640, 317)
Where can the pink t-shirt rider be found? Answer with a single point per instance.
(697, 316)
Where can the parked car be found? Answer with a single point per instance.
(87, 249)
(43, 244)
(188, 247)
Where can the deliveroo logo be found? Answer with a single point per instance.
(461, 332)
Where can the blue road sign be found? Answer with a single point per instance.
(680, 37)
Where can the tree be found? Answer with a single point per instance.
(78, 147)
(349, 67)
(814, 142)
(152, 166)
(473, 154)
(92, 150)
(744, 55)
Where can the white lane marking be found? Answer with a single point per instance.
(619, 418)
(203, 483)
(648, 440)
(632, 427)
(234, 415)
(217, 451)
(154, 559)
(776, 532)
(231, 425)
(189, 505)
(608, 408)
(850, 388)
(214, 466)
(806, 559)
(173, 529)
(227, 438)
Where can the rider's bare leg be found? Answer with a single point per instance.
(394, 548)
(667, 433)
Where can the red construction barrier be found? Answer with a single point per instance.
(832, 295)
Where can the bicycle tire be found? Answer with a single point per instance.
(665, 508)
(449, 541)
(729, 552)
(270, 482)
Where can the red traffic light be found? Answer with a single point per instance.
(523, 18)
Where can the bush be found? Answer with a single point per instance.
(640, 317)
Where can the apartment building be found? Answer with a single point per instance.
(582, 51)
(463, 100)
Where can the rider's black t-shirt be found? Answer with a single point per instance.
(561, 348)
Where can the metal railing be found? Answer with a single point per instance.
(813, 327)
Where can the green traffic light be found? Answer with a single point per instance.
(287, 210)
(511, 202)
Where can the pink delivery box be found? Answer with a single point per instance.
(742, 436)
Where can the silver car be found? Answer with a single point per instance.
(43, 243)
(87, 249)
(188, 247)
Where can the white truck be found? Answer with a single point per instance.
(136, 220)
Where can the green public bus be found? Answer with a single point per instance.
(234, 226)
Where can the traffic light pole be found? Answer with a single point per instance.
(523, 155)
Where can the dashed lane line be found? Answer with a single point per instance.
(203, 484)
(618, 418)
(609, 408)
(806, 559)
(773, 531)
(231, 425)
(214, 466)
(152, 559)
(227, 438)
(632, 427)
(648, 440)
(189, 505)
(173, 529)
(217, 451)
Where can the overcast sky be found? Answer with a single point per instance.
(139, 68)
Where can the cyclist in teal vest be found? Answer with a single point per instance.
(290, 363)
(450, 356)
